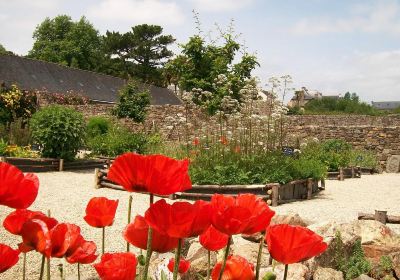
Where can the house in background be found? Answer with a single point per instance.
(302, 96)
(32, 75)
(386, 105)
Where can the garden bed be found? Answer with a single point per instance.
(345, 173)
(273, 193)
(52, 164)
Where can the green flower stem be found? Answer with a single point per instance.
(24, 267)
(225, 258)
(208, 264)
(103, 240)
(177, 259)
(259, 257)
(129, 219)
(79, 271)
(42, 267)
(149, 241)
(286, 271)
(48, 269)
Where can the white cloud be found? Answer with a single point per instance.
(19, 18)
(220, 5)
(374, 76)
(381, 16)
(137, 11)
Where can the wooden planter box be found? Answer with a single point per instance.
(273, 193)
(343, 173)
(52, 164)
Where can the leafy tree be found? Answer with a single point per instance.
(66, 42)
(212, 69)
(133, 102)
(3, 49)
(349, 104)
(139, 53)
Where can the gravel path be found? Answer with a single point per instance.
(66, 195)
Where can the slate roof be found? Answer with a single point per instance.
(31, 74)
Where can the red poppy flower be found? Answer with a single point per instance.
(100, 212)
(246, 214)
(196, 141)
(156, 174)
(183, 267)
(181, 219)
(63, 236)
(136, 234)
(213, 240)
(16, 189)
(237, 268)
(223, 140)
(82, 251)
(36, 236)
(8, 257)
(16, 219)
(117, 266)
(291, 244)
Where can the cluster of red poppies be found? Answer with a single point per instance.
(163, 227)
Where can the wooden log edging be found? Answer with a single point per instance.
(273, 193)
(380, 216)
(344, 173)
(51, 164)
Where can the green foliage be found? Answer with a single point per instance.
(385, 262)
(269, 276)
(97, 126)
(117, 140)
(133, 102)
(339, 258)
(333, 153)
(357, 264)
(353, 266)
(66, 42)
(218, 164)
(3, 147)
(139, 53)
(349, 104)
(212, 68)
(364, 158)
(59, 130)
(3, 50)
(15, 104)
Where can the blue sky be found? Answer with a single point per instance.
(330, 46)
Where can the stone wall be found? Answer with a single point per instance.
(380, 134)
(377, 133)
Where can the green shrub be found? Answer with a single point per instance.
(116, 141)
(97, 126)
(133, 102)
(59, 130)
(304, 168)
(363, 158)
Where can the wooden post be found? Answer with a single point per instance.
(341, 175)
(323, 183)
(275, 194)
(352, 172)
(309, 188)
(96, 178)
(61, 165)
(381, 216)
